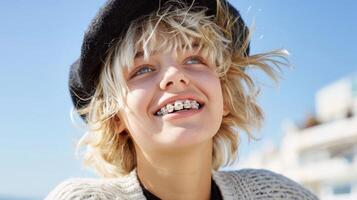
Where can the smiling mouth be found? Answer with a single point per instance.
(179, 106)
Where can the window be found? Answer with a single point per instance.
(342, 189)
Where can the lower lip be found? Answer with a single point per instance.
(181, 114)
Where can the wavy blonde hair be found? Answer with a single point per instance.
(176, 27)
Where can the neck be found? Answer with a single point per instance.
(182, 174)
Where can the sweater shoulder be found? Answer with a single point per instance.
(265, 184)
(93, 189)
(75, 189)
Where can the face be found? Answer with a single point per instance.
(189, 84)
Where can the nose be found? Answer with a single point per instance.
(173, 78)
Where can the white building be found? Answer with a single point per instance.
(321, 155)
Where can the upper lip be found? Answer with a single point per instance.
(172, 99)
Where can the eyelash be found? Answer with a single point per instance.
(197, 58)
(139, 71)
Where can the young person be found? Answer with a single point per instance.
(164, 90)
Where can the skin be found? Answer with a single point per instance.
(174, 155)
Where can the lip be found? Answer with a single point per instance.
(175, 98)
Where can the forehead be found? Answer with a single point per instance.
(148, 37)
(159, 43)
(178, 47)
(191, 48)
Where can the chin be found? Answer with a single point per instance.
(183, 138)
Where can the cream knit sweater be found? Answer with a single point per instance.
(244, 184)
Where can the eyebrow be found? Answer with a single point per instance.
(140, 54)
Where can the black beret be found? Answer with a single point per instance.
(111, 23)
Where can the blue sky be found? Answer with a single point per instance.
(40, 39)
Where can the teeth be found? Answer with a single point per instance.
(163, 111)
(194, 105)
(187, 104)
(169, 108)
(178, 105)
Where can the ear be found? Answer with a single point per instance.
(120, 123)
(225, 110)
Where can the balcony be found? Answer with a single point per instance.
(324, 135)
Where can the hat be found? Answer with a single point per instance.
(112, 22)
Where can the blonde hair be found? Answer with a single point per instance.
(110, 150)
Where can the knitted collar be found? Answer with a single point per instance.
(224, 183)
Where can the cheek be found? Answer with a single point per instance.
(137, 100)
(211, 85)
(137, 113)
(139, 96)
(218, 99)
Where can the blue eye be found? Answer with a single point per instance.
(143, 70)
(193, 60)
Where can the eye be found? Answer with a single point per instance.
(143, 69)
(193, 60)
